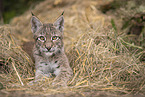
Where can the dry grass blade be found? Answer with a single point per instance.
(17, 74)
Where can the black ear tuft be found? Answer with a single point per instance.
(32, 13)
(62, 13)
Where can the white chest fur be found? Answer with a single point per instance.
(49, 67)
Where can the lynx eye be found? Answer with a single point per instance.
(54, 37)
(41, 38)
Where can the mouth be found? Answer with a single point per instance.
(51, 50)
(48, 51)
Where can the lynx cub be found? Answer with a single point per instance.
(48, 50)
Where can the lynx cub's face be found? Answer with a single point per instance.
(48, 37)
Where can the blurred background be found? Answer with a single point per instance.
(11, 8)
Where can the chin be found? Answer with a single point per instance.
(49, 53)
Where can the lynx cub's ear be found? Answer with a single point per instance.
(35, 23)
(59, 23)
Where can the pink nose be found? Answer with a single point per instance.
(48, 46)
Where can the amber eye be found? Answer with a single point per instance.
(54, 37)
(42, 38)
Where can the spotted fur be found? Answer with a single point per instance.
(48, 51)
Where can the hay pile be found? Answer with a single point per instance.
(13, 60)
(97, 52)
